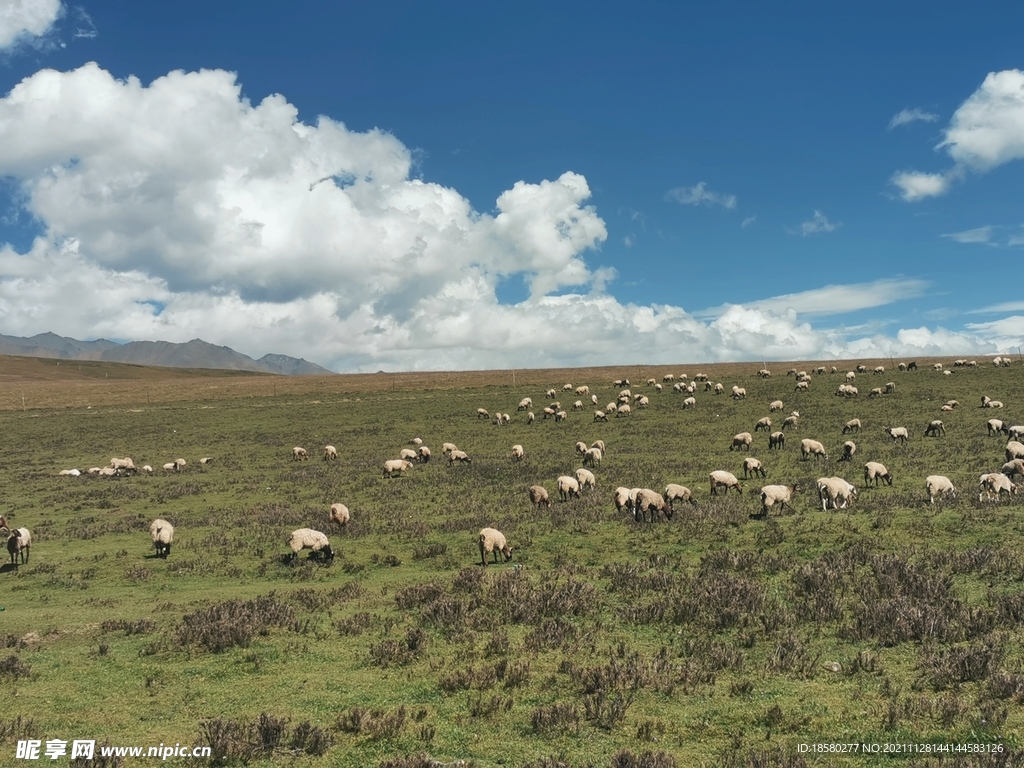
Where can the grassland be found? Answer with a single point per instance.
(712, 639)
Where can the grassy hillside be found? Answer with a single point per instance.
(711, 639)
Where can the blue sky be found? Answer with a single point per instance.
(409, 185)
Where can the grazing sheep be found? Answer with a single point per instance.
(506, 419)
(600, 445)
(592, 457)
(621, 498)
(720, 388)
(912, 366)
(849, 448)
(517, 452)
(396, 465)
(497, 419)
(878, 369)
(835, 492)
(775, 405)
(568, 487)
(19, 542)
(551, 394)
(338, 516)
(538, 496)
(897, 433)
(298, 454)
(902, 366)
(876, 392)
(1015, 432)
(935, 429)
(690, 402)
(447, 448)
(561, 416)
(525, 404)
(742, 440)
(764, 373)
(593, 399)
(647, 501)
(722, 479)
(643, 402)
(209, 459)
(622, 410)
(738, 393)
(169, 467)
(939, 485)
(994, 484)
(424, 454)
(674, 493)
(1010, 468)
(125, 465)
(657, 387)
(809, 447)
(147, 468)
(1014, 450)
(936, 366)
(584, 390)
(567, 387)
(548, 412)
(776, 440)
(763, 425)
(483, 413)
(873, 470)
(600, 416)
(581, 448)
(952, 404)
(789, 421)
(610, 408)
(850, 375)
(853, 425)
(862, 369)
(315, 541)
(890, 387)
(417, 441)
(585, 478)
(407, 454)
(162, 534)
(492, 541)
(459, 456)
(777, 494)
(530, 418)
(578, 405)
(752, 467)
(802, 386)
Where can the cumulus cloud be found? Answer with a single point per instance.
(914, 186)
(21, 20)
(819, 223)
(908, 116)
(700, 195)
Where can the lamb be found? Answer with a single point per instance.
(777, 494)
(935, 429)
(674, 493)
(538, 496)
(298, 454)
(492, 541)
(873, 470)
(19, 542)
(568, 487)
(835, 492)
(622, 410)
(396, 465)
(853, 425)
(939, 485)
(777, 440)
(647, 501)
(809, 447)
(162, 534)
(407, 454)
(763, 425)
(742, 440)
(722, 479)
(585, 478)
(897, 433)
(994, 484)
(995, 426)
(315, 541)
(459, 456)
(849, 448)
(424, 454)
(147, 468)
(592, 457)
(752, 467)
(690, 402)
(600, 416)
(338, 516)
(1014, 450)
(517, 452)
(525, 404)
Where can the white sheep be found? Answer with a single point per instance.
(658, 387)
(875, 471)
(763, 425)
(585, 478)
(853, 425)
(70, 472)
(936, 366)
(995, 426)
(849, 448)
(168, 467)
(934, 429)
(578, 405)
(764, 373)
(583, 390)
(647, 501)
(1015, 467)
(876, 392)
(593, 399)
(19, 542)
(162, 535)
(123, 465)
(592, 457)
(581, 448)
(775, 405)
(539, 495)
(939, 485)
(835, 492)
(802, 386)
(742, 440)
(561, 416)
(548, 412)
(338, 516)
(621, 498)
(722, 479)
(506, 419)
(407, 454)
(600, 416)
(551, 394)
(862, 368)
(878, 369)
(777, 494)
(850, 375)
(491, 542)
(525, 404)
(568, 487)
(1014, 450)
(643, 402)
(517, 452)
(810, 447)
(111, 472)
(675, 492)
(483, 413)
(890, 387)
(315, 541)
(719, 388)
(147, 468)
(993, 484)
(690, 402)
(1016, 432)
(423, 454)
(988, 402)
(790, 420)
(209, 459)
(738, 393)
(530, 418)
(417, 441)
(447, 448)
(567, 387)
(897, 433)
(820, 370)
(458, 456)
(622, 410)
(391, 466)
(298, 454)
(752, 467)
(777, 440)
(599, 444)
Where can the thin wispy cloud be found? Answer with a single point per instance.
(997, 236)
(908, 116)
(977, 235)
(835, 299)
(994, 309)
(748, 221)
(700, 195)
(819, 223)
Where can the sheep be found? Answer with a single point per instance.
(850, 376)
(853, 425)
(834, 369)
(777, 494)
(621, 498)
(491, 542)
(70, 472)
(424, 454)
(643, 402)
(585, 478)
(567, 387)
(994, 484)
(530, 418)
(126, 465)
(162, 535)
(763, 425)
(701, 377)
(738, 393)
(777, 440)
(808, 447)
(849, 448)
(947, 373)
(878, 369)
(3, 525)
(657, 387)
(338, 516)
(876, 392)
(568, 487)
(407, 454)
(902, 366)
(551, 394)
(497, 419)
(447, 448)
(298, 454)
(936, 366)
(820, 370)
(802, 386)
(169, 467)
(622, 410)
(789, 421)
(147, 468)
(791, 372)
(600, 416)
(689, 403)
(625, 394)
(396, 465)
(890, 387)
(897, 433)
(722, 479)
(19, 542)
(912, 366)
(315, 541)
(525, 404)
(862, 369)
(1014, 450)
(538, 496)
(752, 467)
(674, 493)
(458, 456)
(593, 399)
(720, 388)
(578, 405)
(592, 457)
(517, 452)
(649, 501)
(111, 472)
(1015, 467)
(939, 485)
(610, 408)
(600, 445)
(506, 419)
(934, 429)
(946, 408)
(209, 459)
(548, 412)
(483, 413)
(417, 441)
(775, 405)
(833, 490)
(581, 448)
(584, 390)
(873, 470)
(972, 363)
(764, 373)
(561, 416)
(988, 402)
(677, 388)
(1015, 432)
(742, 440)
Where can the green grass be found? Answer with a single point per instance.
(711, 639)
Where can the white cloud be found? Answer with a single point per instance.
(699, 195)
(819, 223)
(748, 221)
(836, 299)
(908, 116)
(24, 19)
(916, 186)
(1008, 306)
(977, 235)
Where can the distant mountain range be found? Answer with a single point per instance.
(192, 354)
